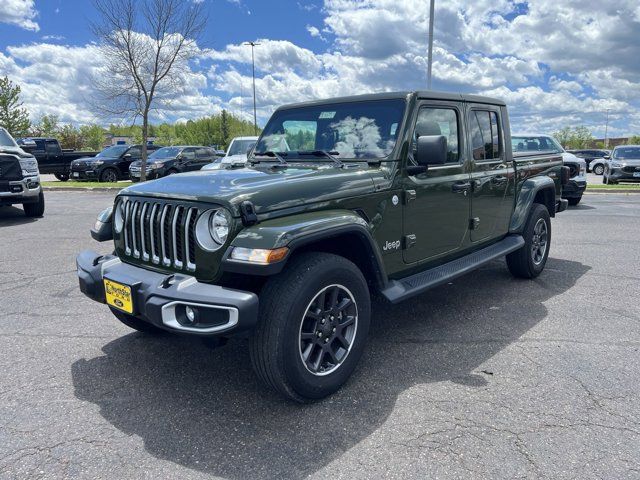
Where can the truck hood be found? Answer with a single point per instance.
(267, 188)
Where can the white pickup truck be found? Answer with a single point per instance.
(236, 154)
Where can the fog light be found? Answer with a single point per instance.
(190, 314)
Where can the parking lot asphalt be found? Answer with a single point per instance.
(486, 377)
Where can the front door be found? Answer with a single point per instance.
(437, 202)
(492, 178)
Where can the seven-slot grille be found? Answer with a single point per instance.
(160, 233)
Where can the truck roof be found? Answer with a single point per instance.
(422, 94)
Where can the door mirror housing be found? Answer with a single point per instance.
(126, 156)
(431, 150)
(607, 157)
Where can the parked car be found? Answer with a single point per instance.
(170, 160)
(577, 184)
(236, 154)
(623, 165)
(110, 165)
(594, 159)
(19, 177)
(52, 159)
(385, 195)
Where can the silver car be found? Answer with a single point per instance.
(623, 165)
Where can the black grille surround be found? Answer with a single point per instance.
(10, 169)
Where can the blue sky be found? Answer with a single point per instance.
(555, 62)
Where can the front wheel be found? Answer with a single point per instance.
(63, 177)
(314, 321)
(574, 201)
(598, 169)
(529, 261)
(35, 209)
(109, 175)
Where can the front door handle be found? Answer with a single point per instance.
(461, 187)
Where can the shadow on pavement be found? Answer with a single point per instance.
(13, 216)
(205, 410)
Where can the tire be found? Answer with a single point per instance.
(525, 263)
(109, 175)
(290, 329)
(135, 323)
(574, 201)
(35, 209)
(171, 171)
(598, 169)
(63, 177)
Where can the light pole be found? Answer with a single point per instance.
(253, 74)
(606, 130)
(430, 56)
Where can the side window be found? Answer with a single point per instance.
(485, 135)
(40, 144)
(188, 154)
(135, 152)
(51, 147)
(439, 121)
(203, 153)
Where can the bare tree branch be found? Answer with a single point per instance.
(146, 44)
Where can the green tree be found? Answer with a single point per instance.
(574, 137)
(70, 137)
(634, 140)
(13, 116)
(47, 126)
(92, 136)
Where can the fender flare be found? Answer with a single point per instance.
(299, 231)
(530, 189)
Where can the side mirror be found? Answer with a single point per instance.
(607, 157)
(126, 156)
(432, 150)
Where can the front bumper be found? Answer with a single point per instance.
(150, 175)
(618, 173)
(77, 174)
(574, 188)
(26, 190)
(158, 297)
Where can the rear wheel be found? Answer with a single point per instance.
(109, 175)
(63, 177)
(135, 323)
(598, 169)
(314, 320)
(35, 209)
(529, 261)
(574, 201)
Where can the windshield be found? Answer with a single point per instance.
(240, 147)
(166, 152)
(535, 144)
(355, 130)
(113, 152)
(6, 140)
(627, 152)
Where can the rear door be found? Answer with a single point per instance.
(188, 160)
(492, 176)
(128, 157)
(203, 157)
(437, 202)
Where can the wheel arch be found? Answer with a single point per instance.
(540, 190)
(341, 232)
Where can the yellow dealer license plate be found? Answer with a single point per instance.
(118, 295)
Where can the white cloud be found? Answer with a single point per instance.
(19, 12)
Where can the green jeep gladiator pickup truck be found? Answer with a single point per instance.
(390, 193)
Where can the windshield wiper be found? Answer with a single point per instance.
(330, 155)
(269, 153)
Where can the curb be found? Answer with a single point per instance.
(601, 191)
(82, 189)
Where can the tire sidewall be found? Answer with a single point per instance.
(103, 175)
(307, 384)
(537, 213)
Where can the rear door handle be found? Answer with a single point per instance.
(461, 187)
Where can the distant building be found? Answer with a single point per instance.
(111, 139)
(612, 142)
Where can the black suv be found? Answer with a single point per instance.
(170, 160)
(590, 155)
(110, 165)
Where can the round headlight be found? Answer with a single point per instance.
(212, 229)
(118, 217)
(219, 225)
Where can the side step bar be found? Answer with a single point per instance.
(399, 290)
